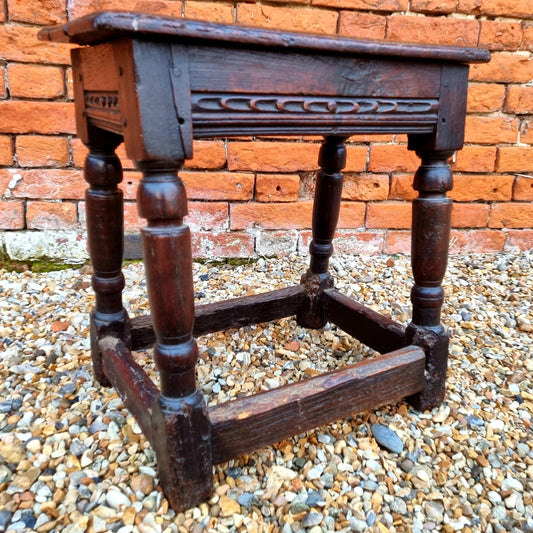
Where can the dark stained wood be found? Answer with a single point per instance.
(227, 314)
(136, 389)
(326, 208)
(245, 424)
(105, 234)
(429, 256)
(370, 327)
(107, 25)
(181, 430)
(156, 83)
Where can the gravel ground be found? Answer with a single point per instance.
(72, 459)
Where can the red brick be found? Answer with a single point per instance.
(70, 83)
(523, 188)
(6, 150)
(277, 187)
(526, 132)
(476, 241)
(359, 242)
(210, 11)
(519, 239)
(51, 215)
(45, 183)
(519, 99)
(359, 25)
(527, 35)
(35, 81)
(504, 67)
(401, 187)
(271, 215)
(475, 159)
(2, 12)
(397, 242)
(491, 130)
(433, 6)
(36, 117)
(20, 43)
(392, 158)
(491, 187)
(365, 187)
(268, 156)
(207, 155)
(171, 8)
(498, 35)
(11, 214)
(38, 11)
(515, 159)
(352, 215)
(511, 215)
(373, 5)
(3, 92)
(207, 216)
(485, 97)
(132, 220)
(433, 30)
(42, 151)
(218, 185)
(384, 215)
(212, 245)
(470, 215)
(497, 8)
(287, 18)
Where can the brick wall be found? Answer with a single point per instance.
(254, 197)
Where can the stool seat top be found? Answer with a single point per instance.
(108, 25)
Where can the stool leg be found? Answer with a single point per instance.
(182, 434)
(326, 207)
(105, 230)
(430, 239)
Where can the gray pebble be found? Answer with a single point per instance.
(245, 499)
(387, 438)
(299, 504)
(315, 499)
(371, 518)
(5, 518)
(312, 519)
(398, 506)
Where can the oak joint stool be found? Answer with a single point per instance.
(156, 84)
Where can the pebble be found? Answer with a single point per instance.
(73, 459)
(387, 438)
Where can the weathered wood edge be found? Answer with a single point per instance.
(368, 326)
(255, 421)
(101, 26)
(134, 386)
(234, 313)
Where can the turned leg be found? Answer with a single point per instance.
(430, 239)
(326, 207)
(182, 434)
(105, 230)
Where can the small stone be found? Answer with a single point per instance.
(299, 504)
(12, 453)
(5, 518)
(434, 511)
(315, 472)
(116, 499)
(245, 499)
(228, 506)
(387, 438)
(315, 499)
(510, 483)
(142, 483)
(407, 465)
(312, 519)
(25, 480)
(398, 506)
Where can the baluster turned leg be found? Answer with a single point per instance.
(105, 229)
(430, 239)
(182, 434)
(326, 207)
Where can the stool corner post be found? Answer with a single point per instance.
(429, 256)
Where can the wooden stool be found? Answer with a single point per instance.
(156, 83)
